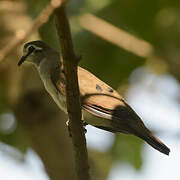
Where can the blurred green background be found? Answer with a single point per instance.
(30, 121)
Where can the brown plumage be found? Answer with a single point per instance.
(101, 100)
(97, 98)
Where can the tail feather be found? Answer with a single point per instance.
(152, 140)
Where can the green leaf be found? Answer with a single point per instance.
(128, 148)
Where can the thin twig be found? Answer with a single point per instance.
(115, 35)
(70, 62)
(21, 35)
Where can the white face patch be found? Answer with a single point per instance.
(35, 47)
(30, 49)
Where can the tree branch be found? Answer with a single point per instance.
(70, 62)
(115, 35)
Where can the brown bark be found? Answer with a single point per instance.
(35, 112)
(70, 62)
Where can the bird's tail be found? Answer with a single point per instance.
(152, 140)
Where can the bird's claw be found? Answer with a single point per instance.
(69, 129)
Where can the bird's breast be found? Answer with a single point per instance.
(59, 98)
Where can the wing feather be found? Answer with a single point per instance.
(97, 97)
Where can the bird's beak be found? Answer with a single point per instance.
(24, 57)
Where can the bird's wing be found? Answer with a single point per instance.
(97, 97)
(101, 100)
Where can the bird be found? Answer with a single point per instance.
(108, 109)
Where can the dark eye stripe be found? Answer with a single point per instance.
(31, 49)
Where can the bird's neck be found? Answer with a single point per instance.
(48, 65)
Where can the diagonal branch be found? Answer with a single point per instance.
(70, 62)
(115, 35)
(21, 35)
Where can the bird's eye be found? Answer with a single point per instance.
(31, 48)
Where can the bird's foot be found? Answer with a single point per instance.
(69, 129)
(84, 127)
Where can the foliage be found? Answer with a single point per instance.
(155, 21)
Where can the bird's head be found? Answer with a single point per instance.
(34, 52)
